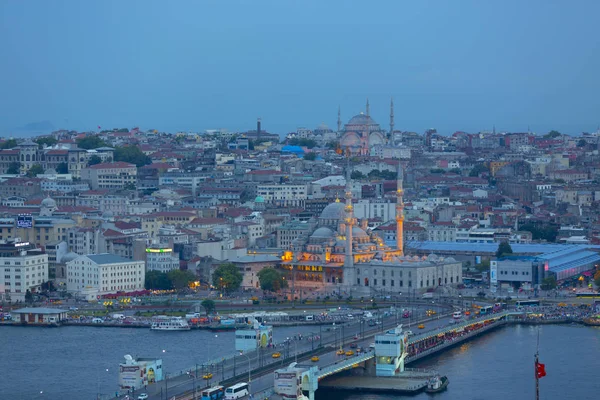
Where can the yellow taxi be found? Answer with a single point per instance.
(421, 326)
(340, 352)
(430, 313)
(207, 376)
(276, 355)
(350, 353)
(314, 359)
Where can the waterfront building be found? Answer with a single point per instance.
(25, 268)
(139, 372)
(94, 275)
(161, 258)
(250, 265)
(39, 315)
(259, 336)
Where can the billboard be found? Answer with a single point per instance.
(24, 221)
(494, 272)
(129, 376)
(287, 384)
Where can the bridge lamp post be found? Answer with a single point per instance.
(193, 376)
(249, 370)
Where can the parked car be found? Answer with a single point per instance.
(143, 396)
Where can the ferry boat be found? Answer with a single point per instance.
(165, 323)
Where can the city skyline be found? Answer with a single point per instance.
(191, 67)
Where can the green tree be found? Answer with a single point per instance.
(483, 266)
(271, 280)
(549, 283)
(303, 142)
(333, 145)
(478, 169)
(552, 134)
(581, 143)
(436, 171)
(180, 279)
(156, 280)
(310, 156)
(540, 231)
(91, 142)
(62, 168)
(9, 144)
(456, 171)
(14, 168)
(209, 306)
(95, 159)
(503, 249)
(35, 170)
(28, 296)
(227, 277)
(46, 141)
(357, 175)
(133, 155)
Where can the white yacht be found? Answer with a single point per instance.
(166, 323)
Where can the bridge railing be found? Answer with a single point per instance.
(344, 364)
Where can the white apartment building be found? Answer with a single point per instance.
(283, 195)
(95, 275)
(161, 258)
(115, 175)
(442, 232)
(385, 210)
(24, 267)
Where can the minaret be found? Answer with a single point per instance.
(339, 119)
(391, 117)
(400, 211)
(368, 108)
(349, 221)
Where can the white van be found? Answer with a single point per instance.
(118, 316)
(97, 321)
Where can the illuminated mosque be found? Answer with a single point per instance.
(361, 134)
(341, 252)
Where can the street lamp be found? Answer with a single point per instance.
(98, 380)
(193, 376)
(249, 370)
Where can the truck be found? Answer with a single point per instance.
(428, 295)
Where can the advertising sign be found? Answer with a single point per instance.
(24, 221)
(287, 385)
(493, 272)
(129, 376)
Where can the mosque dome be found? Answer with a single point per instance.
(357, 232)
(259, 199)
(333, 211)
(322, 233)
(361, 119)
(48, 203)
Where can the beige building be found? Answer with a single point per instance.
(283, 195)
(115, 175)
(24, 267)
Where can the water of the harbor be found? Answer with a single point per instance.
(71, 362)
(499, 366)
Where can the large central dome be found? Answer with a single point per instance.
(333, 211)
(361, 119)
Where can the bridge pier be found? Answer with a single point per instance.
(391, 350)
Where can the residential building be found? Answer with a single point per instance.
(115, 175)
(283, 195)
(24, 267)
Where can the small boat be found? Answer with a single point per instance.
(166, 323)
(437, 384)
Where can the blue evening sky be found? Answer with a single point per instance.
(195, 65)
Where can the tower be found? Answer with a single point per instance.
(368, 108)
(258, 129)
(391, 117)
(339, 121)
(349, 276)
(400, 211)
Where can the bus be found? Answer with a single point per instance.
(588, 294)
(486, 310)
(213, 393)
(528, 303)
(237, 391)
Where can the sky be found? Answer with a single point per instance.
(196, 65)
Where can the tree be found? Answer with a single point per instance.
(95, 159)
(581, 143)
(180, 279)
(503, 249)
(478, 169)
(552, 134)
(357, 175)
(46, 141)
(156, 280)
(549, 283)
(133, 155)
(14, 168)
(35, 170)
(333, 145)
(9, 144)
(309, 143)
(597, 278)
(483, 266)
(310, 156)
(541, 232)
(271, 280)
(227, 277)
(91, 142)
(28, 296)
(456, 171)
(62, 168)
(209, 306)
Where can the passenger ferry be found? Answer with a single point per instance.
(166, 323)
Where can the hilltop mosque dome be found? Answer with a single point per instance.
(333, 211)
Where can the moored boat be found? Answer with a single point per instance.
(437, 384)
(166, 323)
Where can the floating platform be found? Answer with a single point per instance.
(407, 383)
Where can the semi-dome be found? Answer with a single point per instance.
(333, 211)
(323, 233)
(357, 232)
